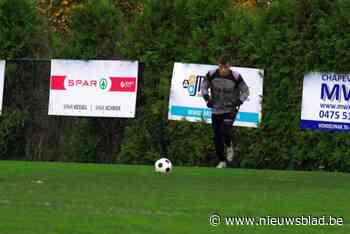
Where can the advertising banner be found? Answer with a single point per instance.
(98, 88)
(186, 101)
(326, 102)
(2, 79)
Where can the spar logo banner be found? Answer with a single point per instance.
(2, 79)
(186, 101)
(326, 102)
(96, 88)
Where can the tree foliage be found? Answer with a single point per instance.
(19, 30)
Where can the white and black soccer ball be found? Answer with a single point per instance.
(163, 165)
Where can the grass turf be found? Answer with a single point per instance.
(48, 198)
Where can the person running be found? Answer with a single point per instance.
(224, 91)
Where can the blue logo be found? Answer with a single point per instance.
(337, 92)
(193, 85)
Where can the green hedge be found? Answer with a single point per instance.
(287, 40)
(20, 29)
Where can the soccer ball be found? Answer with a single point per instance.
(163, 165)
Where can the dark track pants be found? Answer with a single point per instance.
(222, 127)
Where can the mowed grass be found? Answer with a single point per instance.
(37, 197)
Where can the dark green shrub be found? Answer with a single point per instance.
(19, 29)
(95, 30)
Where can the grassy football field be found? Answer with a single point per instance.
(48, 198)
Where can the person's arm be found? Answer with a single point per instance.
(244, 90)
(205, 90)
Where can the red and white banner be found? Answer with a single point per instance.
(2, 79)
(98, 88)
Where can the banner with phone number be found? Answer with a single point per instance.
(326, 102)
